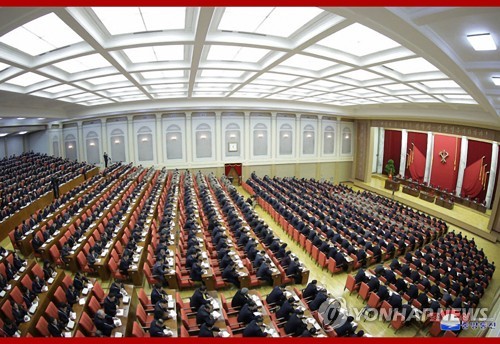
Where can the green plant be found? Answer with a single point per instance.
(390, 169)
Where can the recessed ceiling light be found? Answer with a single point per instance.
(496, 80)
(22, 132)
(21, 118)
(482, 41)
(41, 118)
(3, 134)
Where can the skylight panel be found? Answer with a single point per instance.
(360, 75)
(307, 62)
(221, 73)
(496, 80)
(358, 40)
(133, 97)
(169, 95)
(120, 20)
(157, 53)
(119, 90)
(166, 86)
(27, 79)
(277, 77)
(458, 96)
(441, 84)
(209, 94)
(273, 21)
(60, 88)
(3, 66)
(83, 63)
(98, 102)
(235, 53)
(163, 74)
(397, 87)
(411, 66)
(107, 79)
(43, 34)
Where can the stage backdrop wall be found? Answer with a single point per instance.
(475, 176)
(392, 148)
(444, 174)
(415, 160)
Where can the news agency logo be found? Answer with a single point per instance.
(333, 312)
(451, 322)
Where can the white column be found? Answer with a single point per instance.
(130, 138)
(274, 136)
(104, 139)
(219, 139)
(298, 137)
(462, 165)
(81, 141)
(319, 138)
(247, 132)
(493, 174)
(380, 153)
(428, 157)
(404, 149)
(189, 139)
(159, 140)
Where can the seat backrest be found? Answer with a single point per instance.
(141, 314)
(137, 331)
(79, 334)
(87, 324)
(67, 281)
(350, 282)
(37, 270)
(54, 253)
(184, 332)
(51, 310)
(26, 281)
(81, 259)
(94, 305)
(98, 292)
(7, 310)
(143, 298)
(60, 295)
(16, 295)
(113, 267)
(42, 326)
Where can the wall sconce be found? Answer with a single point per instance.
(92, 144)
(70, 146)
(232, 136)
(203, 137)
(285, 136)
(144, 139)
(117, 141)
(173, 138)
(260, 136)
(346, 136)
(328, 136)
(309, 136)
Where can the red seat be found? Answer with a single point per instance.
(364, 291)
(144, 318)
(309, 245)
(145, 301)
(374, 301)
(82, 262)
(52, 311)
(149, 275)
(42, 326)
(386, 307)
(60, 295)
(138, 332)
(98, 292)
(93, 306)
(350, 284)
(398, 321)
(322, 261)
(314, 253)
(87, 325)
(332, 266)
(113, 268)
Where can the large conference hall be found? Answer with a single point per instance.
(249, 172)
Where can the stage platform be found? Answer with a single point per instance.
(460, 216)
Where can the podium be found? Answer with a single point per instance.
(391, 185)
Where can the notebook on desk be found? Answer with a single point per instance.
(120, 312)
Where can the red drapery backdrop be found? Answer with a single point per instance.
(415, 160)
(476, 172)
(392, 148)
(444, 174)
(228, 167)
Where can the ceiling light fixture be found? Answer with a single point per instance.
(482, 42)
(41, 118)
(496, 80)
(21, 118)
(3, 134)
(23, 132)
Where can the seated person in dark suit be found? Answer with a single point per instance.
(37, 285)
(110, 305)
(255, 329)
(18, 312)
(196, 272)
(346, 328)
(424, 300)
(383, 293)
(240, 298)
(395, 301)
(294, 270)
(264, 272)
(373, 284)
(71, 295)
(198, 299)
(276, 297)
(158, 294)
(55, 327)
(125, 264)
(157, 329)
(208, 331)
(311, 290)
(412, 291)
(63, 312)
(103, 323)
(9, 327)
(295, 325)
(80, 281)
(400, 285)
(28, 295)
(161, 310)
(360, 277)
(246, 314)
(230, 275)
(321, 297)
(116, 288)
(204, 315)
(283, 313)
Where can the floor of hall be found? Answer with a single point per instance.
(335, 284)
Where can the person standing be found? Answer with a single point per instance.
(106, 159)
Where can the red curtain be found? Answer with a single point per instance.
(415, 160)
(392, 148)
(228, 167)
(476, 173)
(445, 171)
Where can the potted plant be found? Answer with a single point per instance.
(390, 169)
